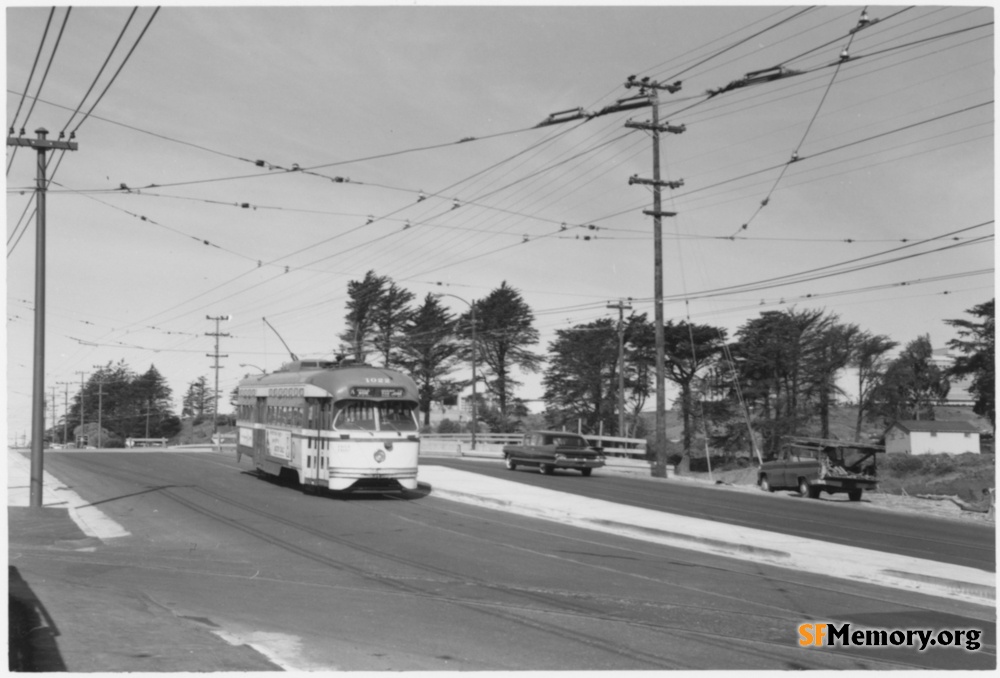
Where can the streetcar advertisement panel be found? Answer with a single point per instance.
(246, 437)
(279, 444)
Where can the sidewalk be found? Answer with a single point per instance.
(56, 623)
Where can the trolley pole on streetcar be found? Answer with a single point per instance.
(41, 144)
(651, 89)
(216, 366)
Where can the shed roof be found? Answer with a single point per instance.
(936, 426)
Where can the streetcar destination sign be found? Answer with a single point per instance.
(373, 392)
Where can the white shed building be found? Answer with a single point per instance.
(932, 437)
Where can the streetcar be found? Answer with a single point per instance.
(334, 425)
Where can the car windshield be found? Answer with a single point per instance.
(569, 441)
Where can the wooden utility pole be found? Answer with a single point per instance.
(651, 89)
(622, 306)
(40, 144)
(66, 408)
(100, 407)
(216, 366)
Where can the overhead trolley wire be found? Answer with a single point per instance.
(52, 58)
(31, 76)
(119, 70)
(99, 72)
(795, 151)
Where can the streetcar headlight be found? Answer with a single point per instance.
(379, 456)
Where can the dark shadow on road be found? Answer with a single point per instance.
(31, 632)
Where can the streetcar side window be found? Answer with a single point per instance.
(355, 415)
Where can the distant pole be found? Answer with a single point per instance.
(472, 307)
(100, 406)
(53, 413)
(83, 409)
(216, 356)
(66, 408)
(40, 144)
(622, 306)
(651, 88)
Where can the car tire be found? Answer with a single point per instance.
(585, 472)
(854, 495)
(545, 469)
(765, 484)
(805, 489)
(509, 461)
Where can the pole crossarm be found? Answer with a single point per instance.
(670, 129)
(634, 179)
(43, 144)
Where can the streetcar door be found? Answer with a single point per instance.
(318, 418)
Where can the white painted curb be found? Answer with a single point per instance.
(786, 551)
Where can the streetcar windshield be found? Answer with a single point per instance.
(397, 417)
(363, 415)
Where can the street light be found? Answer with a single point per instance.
(472, 306)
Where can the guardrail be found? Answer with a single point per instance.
(490, 446)
(625, 448)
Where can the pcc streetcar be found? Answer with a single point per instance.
(335, 425)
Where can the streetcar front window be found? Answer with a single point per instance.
(355, 415)
(397, 417)
(361, 415)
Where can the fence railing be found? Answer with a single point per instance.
(627, 448)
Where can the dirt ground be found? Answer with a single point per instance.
(745, 480)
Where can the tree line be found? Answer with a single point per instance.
(778, 375)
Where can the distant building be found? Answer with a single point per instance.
(958, 393)
(932, 437)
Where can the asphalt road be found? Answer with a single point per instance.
(413, 582)
(832, 518)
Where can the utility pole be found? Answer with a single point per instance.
(651, 89)
(66, 408)
(53, 413)
(83, 409)
(216, 366)
(40, 144)
(100, 406)
(622, 306)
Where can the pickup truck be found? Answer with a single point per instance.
(549, 450)
(815, 465)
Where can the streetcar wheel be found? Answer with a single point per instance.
(585, 472)
(765, 484)
(509, 461)
(854, 495)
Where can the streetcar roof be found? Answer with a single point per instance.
(330, 380)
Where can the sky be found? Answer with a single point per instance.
(250, 161)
